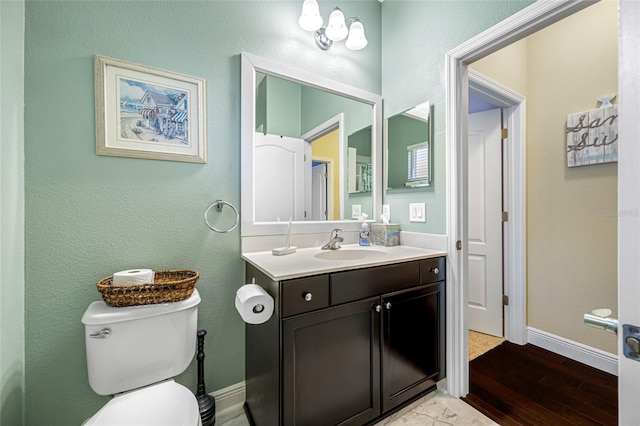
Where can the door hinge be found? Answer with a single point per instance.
(505, 133)
(505, 216)
(505, 300)
(458, 245)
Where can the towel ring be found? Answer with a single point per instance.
(219, 204)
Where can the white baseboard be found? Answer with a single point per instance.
(229, 402)
(588, 355)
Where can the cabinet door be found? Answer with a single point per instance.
(413, 343)
(331, 366)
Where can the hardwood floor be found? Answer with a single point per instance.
(528, 385)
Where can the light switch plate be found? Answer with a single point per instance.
(356, 211)
(417, 212)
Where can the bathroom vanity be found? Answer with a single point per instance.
(353, 337)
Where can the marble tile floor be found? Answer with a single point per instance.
(435, 409)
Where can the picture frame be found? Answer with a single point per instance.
(146, 112)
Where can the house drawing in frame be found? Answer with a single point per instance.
(147, 112)
(153, 113)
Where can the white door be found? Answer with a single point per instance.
(279, 178)
(628, 206)
(319, 192)
(485, 223)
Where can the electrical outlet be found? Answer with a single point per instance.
(417, 212)
(356, 211)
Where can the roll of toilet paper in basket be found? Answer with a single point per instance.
(133, 277)
(254, 304)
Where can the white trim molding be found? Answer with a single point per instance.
(588, 355)
(229, 402)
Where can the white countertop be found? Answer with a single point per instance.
(305, 263)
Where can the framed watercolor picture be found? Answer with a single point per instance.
(145, 112)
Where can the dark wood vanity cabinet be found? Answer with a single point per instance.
(346, 348)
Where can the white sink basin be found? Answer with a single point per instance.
(349, 254)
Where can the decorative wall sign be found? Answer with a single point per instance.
(592, 136)
(146, 112)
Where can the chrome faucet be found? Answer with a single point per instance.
(334, 242)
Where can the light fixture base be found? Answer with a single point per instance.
(322, 40)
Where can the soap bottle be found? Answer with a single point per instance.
(365, 239)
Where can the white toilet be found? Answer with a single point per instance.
(133, 353)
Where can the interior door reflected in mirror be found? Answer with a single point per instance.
(408, 139)
(312, 153)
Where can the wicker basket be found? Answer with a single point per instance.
(167, 286)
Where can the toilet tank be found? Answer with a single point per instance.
(135, 346)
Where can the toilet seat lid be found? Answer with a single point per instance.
(164, 404)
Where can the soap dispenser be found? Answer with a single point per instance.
(365, 239)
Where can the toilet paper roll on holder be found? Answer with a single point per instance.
(219, 204)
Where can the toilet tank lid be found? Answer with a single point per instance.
(99, 313)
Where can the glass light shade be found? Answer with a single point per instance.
(336, 28)
(310, 19)
(356, 40)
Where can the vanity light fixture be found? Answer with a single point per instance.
(337, 29)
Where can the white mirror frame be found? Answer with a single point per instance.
(251, 65)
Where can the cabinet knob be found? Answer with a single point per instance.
(435, 270)
(308, 296)
(378, 308)
(387, 305)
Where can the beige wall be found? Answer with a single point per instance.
(571, 212)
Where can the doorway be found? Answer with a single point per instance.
(496, 241)
(320, 184)
(485, 218)
(530, 20)
(326, 147)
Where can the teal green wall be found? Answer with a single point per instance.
(402, 132)
(319, 106)
(284, 107)
(417, 35)
(12, 368)
(88, 216)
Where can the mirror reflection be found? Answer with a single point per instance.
(409, 137)
(312, 153)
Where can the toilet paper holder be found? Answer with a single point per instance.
(219, 204)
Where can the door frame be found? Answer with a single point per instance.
(335, 122)
(628, 203)
(529, 20)
(514, 197)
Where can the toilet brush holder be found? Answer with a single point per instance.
(206, 403)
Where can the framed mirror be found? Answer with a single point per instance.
(408, 143)
(311, 150)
